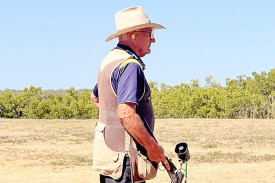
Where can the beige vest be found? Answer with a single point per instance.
(111, 141)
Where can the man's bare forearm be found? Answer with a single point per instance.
(135, 127)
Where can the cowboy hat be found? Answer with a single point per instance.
(130, 19)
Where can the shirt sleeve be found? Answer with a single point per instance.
(130, 84)
(95, 91)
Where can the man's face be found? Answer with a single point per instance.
(143, 40)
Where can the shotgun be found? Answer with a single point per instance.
(181, 149)
(176, 175)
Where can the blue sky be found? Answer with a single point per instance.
(57, 44)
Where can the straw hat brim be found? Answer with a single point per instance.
(153, 26)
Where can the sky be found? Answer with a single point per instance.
(58, 44)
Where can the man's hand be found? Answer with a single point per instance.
(156, 154)
(95, 100)
(135, 127)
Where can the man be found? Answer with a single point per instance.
(122, 94)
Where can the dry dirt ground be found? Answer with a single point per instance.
(60, 151)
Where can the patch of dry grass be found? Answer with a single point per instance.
(212, 140)
(67, 144)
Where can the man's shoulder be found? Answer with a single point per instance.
(114, 55)
(131, 61)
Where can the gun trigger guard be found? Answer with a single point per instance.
(160, 165)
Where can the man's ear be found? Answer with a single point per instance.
(131, 36)
(125, 36)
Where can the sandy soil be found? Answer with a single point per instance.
(263, 172)
(57, 151)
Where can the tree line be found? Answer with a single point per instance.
(243, 97)
(32, 102)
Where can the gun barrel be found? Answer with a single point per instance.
(175, 175)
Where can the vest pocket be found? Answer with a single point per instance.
(146, 169)
(105, 160)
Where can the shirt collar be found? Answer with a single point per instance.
(131, 52)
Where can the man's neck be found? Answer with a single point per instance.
(126, 48)
(129, 50)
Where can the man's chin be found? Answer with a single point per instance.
(148, 52)
(145, 53)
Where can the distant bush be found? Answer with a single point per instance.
(33, 103)
(244, 97)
